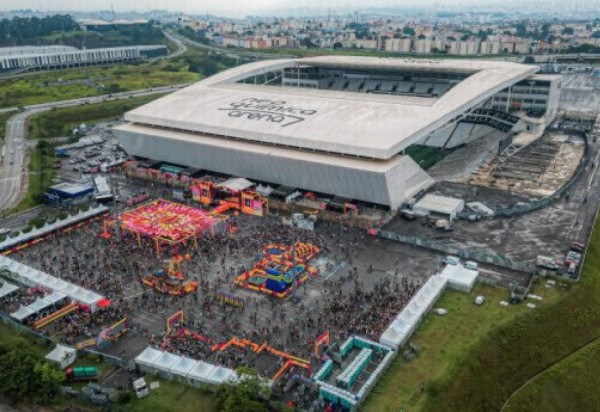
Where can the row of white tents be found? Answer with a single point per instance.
(402, 327)
(191, 371)
(32, 277)
(21, 238)
(38, 305)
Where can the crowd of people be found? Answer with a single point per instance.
(346, 304)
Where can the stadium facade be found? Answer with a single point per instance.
(15, 59)
(338, 125)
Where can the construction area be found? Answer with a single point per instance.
(537, 170)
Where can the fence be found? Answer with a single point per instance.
(477, 254)
(113, 360)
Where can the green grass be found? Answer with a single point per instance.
(41, 173)
(513, 353)
(114, 38)
(10, 338)
(3, 119)
(61, 122)
(91, 81)
(445, 341)
(172, 396)
(426, 156)
(571, 385)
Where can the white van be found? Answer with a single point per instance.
(140, 388)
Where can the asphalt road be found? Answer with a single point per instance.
(181, 47)
(233, 53)
(13, 167)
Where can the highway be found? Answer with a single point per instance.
(233, 53)
(181, 46)
(13, 167)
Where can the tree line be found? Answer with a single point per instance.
(19, 29)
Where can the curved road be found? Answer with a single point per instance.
(233, 53)
(13, 167)
(181, 46)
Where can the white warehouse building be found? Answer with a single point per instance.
(335, 125)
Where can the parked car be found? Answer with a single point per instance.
(451, 260)
(573, 257)
(546, 262)
(578, 247)
(407, 214)
(469, 264)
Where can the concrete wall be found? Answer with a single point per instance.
(390, 188)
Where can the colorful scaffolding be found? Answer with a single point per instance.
(166, 222)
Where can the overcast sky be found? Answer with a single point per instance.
(225, 7)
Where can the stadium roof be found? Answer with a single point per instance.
(360, 124)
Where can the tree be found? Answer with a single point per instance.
(338, 45)
(529, 60)
(48, 380)
(249, 394)
(16, 377)
(568, 30)
(308, 43)
(409, 31)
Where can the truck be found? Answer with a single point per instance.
(82, 374)
(140, 388)
(546, 262)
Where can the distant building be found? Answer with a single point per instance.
(423, 46)
(398, 45)
(46, 59)
(102, 25)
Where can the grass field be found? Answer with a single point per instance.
(61, 122)
(427, 156)
(41, 172)
(444, 342)
(571, 385)
(114, 38)
(3, 119)
(173, 397)
(91, 81)
(515, 352)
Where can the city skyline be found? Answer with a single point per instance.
(240, 8)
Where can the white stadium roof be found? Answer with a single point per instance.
(361, 124)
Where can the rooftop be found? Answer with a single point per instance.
(360, 124)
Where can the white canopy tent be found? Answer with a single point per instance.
(7, 289)
(221, 375)
(33, 277)
(146, 359)
(199, 374)
(236, 184)
(50, 227)
(405, 323)
(62, 355)
(459, 277)
(164, 362)
(183, 366)
(196, 372)
(22, 313)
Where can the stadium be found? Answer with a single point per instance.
(340, 125)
